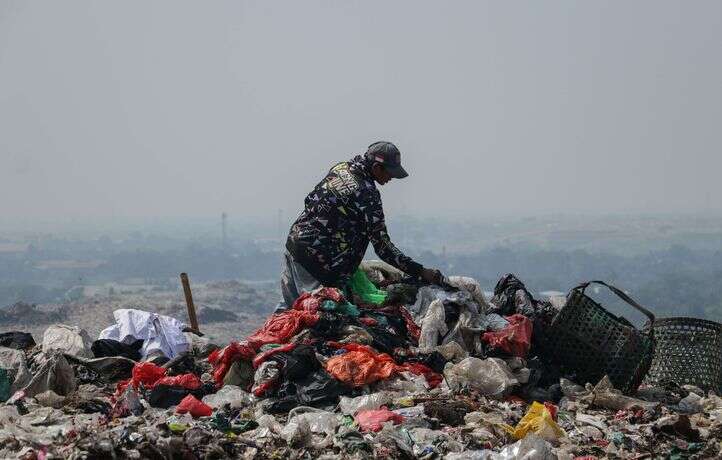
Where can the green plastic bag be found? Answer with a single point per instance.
(362, 286)
(343, 308)
(177, 428)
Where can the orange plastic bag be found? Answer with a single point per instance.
(281, 327)
(361, 365)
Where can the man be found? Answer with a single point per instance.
(342, 215)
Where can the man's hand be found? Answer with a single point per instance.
(432, 276)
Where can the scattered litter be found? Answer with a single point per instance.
(403, 371)
(539, 420)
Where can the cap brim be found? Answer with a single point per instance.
(397, 172)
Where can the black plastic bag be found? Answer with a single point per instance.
(330, 325)
(385, 340)
(182, 364)
(165, 396)
(433, 360)
(17, 340)
(318, 389)
(401, 294)
(298, 363)
(108, 347)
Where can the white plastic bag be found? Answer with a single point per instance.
(266, 373)
(350, 406)
(491, 376)
(55, 374)
(691, 404)
(67, 339)
(267, 426)
(297, 433)
(14, 362)
(433, 326)
(161, 334)
(530, 448)
(472, 287)
(320, 421)
(232, 395)
(404, 382)
(451, 351)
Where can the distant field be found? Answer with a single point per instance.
(68, 264)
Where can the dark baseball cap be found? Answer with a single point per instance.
(389, 156)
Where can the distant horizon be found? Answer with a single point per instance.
(131, 223)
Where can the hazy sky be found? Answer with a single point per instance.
(174, 108)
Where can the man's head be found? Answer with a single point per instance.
(385, 161)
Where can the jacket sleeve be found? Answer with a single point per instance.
(379, 236)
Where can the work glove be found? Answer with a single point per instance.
(432, 276)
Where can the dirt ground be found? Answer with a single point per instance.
(250, 305)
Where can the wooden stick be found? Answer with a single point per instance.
(189, 302)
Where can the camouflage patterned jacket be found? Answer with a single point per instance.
(342, 214)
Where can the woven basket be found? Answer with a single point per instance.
(588, 342)
(688, 351)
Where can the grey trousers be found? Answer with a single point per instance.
(295, 280)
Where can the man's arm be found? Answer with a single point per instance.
(378, 234)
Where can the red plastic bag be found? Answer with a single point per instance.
(413, 329)
(368, 321)
(281, 327)
(432, 378)
(552, 410)
(222, 359)
(262, 357)
(260, 390)
(373, 420)
(514, 339)
(361, 365)
(190, 404)
(311, 301)
(187, 381)
(147, 373)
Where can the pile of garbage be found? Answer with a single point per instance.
(384, 369)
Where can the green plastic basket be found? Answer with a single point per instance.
(587, 341)
(688, 351)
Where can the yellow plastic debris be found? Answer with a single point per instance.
(538, 420)
(405, 401)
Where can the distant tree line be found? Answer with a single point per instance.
(674, 282)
